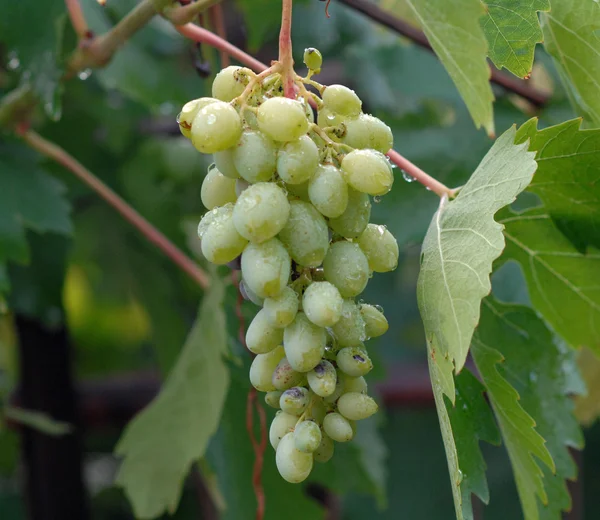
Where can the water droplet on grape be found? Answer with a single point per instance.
(379, 308)
(212, 119)
(381, 230)
(376, 199)
(178, 118)
(407, 177)
(84, 74)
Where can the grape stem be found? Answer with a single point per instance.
(56, 153)
(285, 50)
(77, 18)
(183, 14)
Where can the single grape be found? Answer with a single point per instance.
(262, 368)
(380, 247)
(292, 464)
(266, 268)
(338, 427)
(307, 436)
(282, 424)
(353, 221)
(217, 190)
(368, 132)
(305, 234)
(346, 267)
(339, 390)
(230, 82)
(224, 162)
(188, 113)
(349, 331)
(220, 241)
(255, 156)
(375, 322)
(328, 191)
(261, 336)
(325, 450)
(298, 190)
(313, 59)
(294, 400)
(322, 379)
(322, 304)
(282, 119)
(355, 406)
(297, 160)
(272, 398)
(216, 127)
(368, 171)
(284, 376)
(281, 309)
(353, 384)
(249, 294)
(342, 100)
(261, 211)
(304, 343)
(354, 361)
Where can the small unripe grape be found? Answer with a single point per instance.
(349, 331)
(293, 465)
(230, 82)
(375, 322)
(282, 424)
(380, 247)
(284, 376)
(261, 336)
(325, 450)
(224, 162)
(294, 400)
(353, 384)
(353, 221)
(266, 268)
(261, 211)
(368, 132)
(262, 368)
(307, 436)
(354, 361)
(342, 100)
(297, 160)
(322, 379)
(304, 343)
(216, 127)
(328, 191)
(282, 119)
(272, 398)
(313, 59)
(220, 241)
(368, 171)
(281, 309)
(355, 406)
(322, 304)
(249, 294)
(346, 267)
(188, 113)
(217, 190)
(255, 156)
(338, 427)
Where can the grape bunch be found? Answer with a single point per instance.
(289, 198)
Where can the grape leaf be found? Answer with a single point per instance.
(571, 37)
(452, 28)
(541, 372)
(512, 29)
(568, 177)
(462, 242)
(160, 444)
(587, 406)
(564, 284)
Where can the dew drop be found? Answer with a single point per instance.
(84, 74)
(178, 118)
(460, 477)
(211, 119)
(407, 177)
(13, 61)
(379, 308)
(376, 199)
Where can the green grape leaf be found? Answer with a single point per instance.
(568, 177)
(530, 377)
(454, 32)
(587, 406)
(160, 444)
(512, 29)
(571, 37)
(39, 421)
(563, 283)
(462, 242)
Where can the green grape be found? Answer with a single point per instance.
(292, 464)
(353, 221)
(249, 294)
(230, 82)
(255, 156)
(307, 436)
(224, 162)
(297, 160)
(284, 376)
(327, 118)
(282, 424)
(262, 368)
(339, 390)
(266, 268)
(353, 384)
(356, 406)
(354, 361)
(281, 309)
(240, 186)
(368, 132)
(375, 322)
(220, 241)
(328, 191)
(261, 336)
(368, 171)
(308, 111)
(313, 59)
(342, 100)
(272, 398)
(338, 427)
(294, 400)
(305, 234)
(322, 304)
(346, 267)
(261, 211)
(282, 119)
(304, 343)
(216, 127)
(322, 379)
(349, 331)
(380, 247)
(298, 190)
(217, 190)
(188, 113)
(325, 450)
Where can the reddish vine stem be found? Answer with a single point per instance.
(77, 19)
(419, 175)
(218, 21)
(285, 50)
